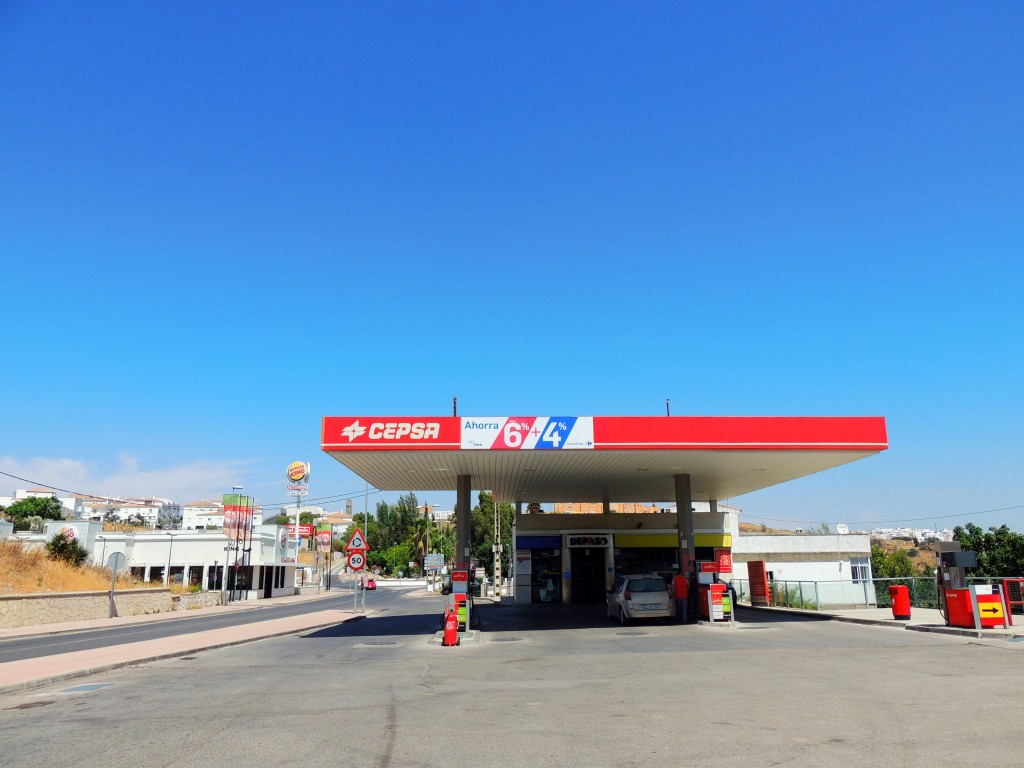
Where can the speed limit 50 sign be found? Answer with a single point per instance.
(356, 561)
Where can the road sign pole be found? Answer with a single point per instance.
(112, 609)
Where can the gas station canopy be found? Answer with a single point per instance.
(595, 458)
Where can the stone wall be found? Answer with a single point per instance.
(26, 610)
(196, 600)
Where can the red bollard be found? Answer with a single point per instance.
(900, 597)
(451, 629)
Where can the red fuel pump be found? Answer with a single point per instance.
(711, 597)
(459, 601)
(461, 597)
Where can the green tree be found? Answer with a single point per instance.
(21, 511)
(395, 558)
(482, 530)
(445, 542)
(394, 522)
(892, 565)
(407, 510)
(419, 540)
(63, 547)
(1000, 551)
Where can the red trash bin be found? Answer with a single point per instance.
(900, 597)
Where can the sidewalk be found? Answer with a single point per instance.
(17, 676)
(921, 620)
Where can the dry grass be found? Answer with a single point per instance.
(26, 571)
(125, 528)
(756, 528)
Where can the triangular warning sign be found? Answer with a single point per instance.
(357, 543)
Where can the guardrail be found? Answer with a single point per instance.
(862, 593)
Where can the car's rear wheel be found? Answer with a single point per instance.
(622, 617)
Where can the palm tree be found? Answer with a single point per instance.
(420, 539)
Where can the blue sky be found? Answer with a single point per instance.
(220, 222)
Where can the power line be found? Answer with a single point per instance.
(115, 500)
(897, 520)
(55, 488)
(339, 497)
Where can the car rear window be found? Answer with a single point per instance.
(647, 585)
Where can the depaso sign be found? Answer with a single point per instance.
(298, 471)
(589, 541)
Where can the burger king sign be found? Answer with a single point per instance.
(298, 471)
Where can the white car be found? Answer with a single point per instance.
(640, 596)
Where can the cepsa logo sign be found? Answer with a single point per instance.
(384, 432)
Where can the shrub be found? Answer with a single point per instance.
(63, 547)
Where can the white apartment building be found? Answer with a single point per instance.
(209, 515)
(200, 515)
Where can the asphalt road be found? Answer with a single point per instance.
(542, 686)
(16, 649)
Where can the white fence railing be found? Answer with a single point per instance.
(863, 593)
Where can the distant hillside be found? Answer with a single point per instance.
(920, 555)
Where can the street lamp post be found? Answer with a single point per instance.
(170, 548)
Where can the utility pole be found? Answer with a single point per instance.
(497, 546)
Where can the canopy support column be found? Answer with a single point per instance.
(684, 522)
(463, 492)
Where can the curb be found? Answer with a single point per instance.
(893, 624)
(158, 618)
(42, 682)
(972, 633)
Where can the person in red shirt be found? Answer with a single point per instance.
(681, 594)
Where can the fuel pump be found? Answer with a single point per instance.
(954, 593)
(460, 600)
(962, 604)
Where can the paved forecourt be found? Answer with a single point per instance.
(779, 689)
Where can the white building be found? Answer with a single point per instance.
(833, 570)
(919, 535)
(192, 557)
(121, 512)
(200, 515)
(312, 509)
(209, 516)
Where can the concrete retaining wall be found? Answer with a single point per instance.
(196, 600)
(26, 610)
